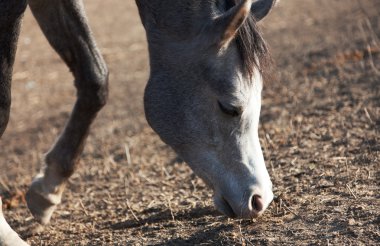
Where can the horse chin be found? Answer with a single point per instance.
(222, 206)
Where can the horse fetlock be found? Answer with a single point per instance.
(59, 169)
(43, 197)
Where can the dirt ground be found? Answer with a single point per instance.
(320, 127)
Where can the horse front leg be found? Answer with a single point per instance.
(65, 26)
(11, 13)
(10, 18)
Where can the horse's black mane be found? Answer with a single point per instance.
(251, 45)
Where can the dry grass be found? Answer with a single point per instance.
(319, 131)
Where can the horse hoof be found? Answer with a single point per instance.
(40, 203)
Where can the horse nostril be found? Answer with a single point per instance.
(257, 203)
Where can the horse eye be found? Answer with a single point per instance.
(229, 110)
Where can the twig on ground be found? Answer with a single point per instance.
(368, 115)
(131, 210)
(128, 154)
(4, 185)
(290, 210)
(83, 207)
(351, 191)
(171, 210)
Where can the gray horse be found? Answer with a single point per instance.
(203, 97)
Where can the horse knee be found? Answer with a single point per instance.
(94, 95)
(100, 92)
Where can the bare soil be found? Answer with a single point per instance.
(319, 130)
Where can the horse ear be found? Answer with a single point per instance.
(261, 8)
(227, 25)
